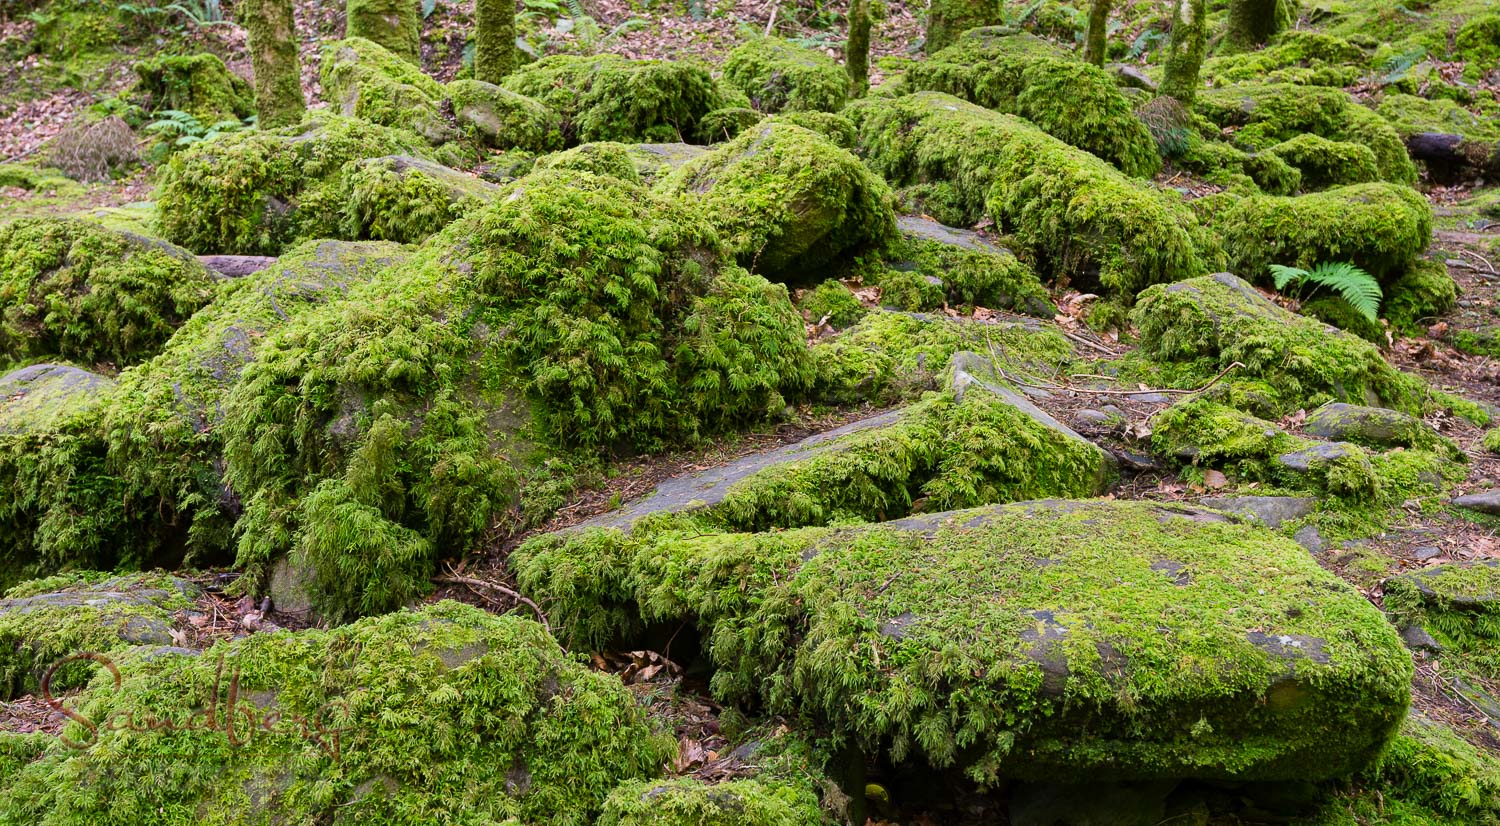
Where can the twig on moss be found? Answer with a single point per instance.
(452, 578)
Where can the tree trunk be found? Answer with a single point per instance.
(1185, 52)
(273, 57)
(494, 39)
(394, 24)
(1094, 42)
(1253, 22)
(947, 19)
(857, 48)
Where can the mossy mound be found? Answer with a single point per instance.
(931, 265)
(1021, 74)
(948, 19)
(1477, 43)
(1458, 602)
(836, 128)
(577, 310)
(655, 161)
(1324, 163)
(1265, 115)
(1072, 216)
(364, 80)
(1410, 114)
(1429, 767)
(254, 193)
(73, 290)
(1305, 58)
(831, 302)
(690, 802)
(501, 119)
(198, 84)
(1222, 163)
(603, 158)
(1040, 641)
(1378, 227)
(610, 98)
(380, 721)
(1204, 325)
(406, 199)
(722, 125)
(787, 199)
(780, 76)
(1423, 293)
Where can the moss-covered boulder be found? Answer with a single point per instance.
(1430, 772)
(1452, 142)
(1040, 640)
(726, 124)
(1300, 57)
(604, 158)
(254, 193)
(970, 270)
(1477, 43)
(42, 622)
(381, 721)
(406, 199)
(1379, 227)
(611, 98)
(1369, 426)
(1022, 74)
(780, 76)
(1072, 216)
(654, 161)
(73, 290)
(364, 80)
(576, 310)
(836, 128)
(1324, 163)
(502, 119)
(1458, 602)
(787, 199)
(198, 84)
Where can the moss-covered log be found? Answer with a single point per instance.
(273, 54)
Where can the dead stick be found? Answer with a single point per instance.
(455, 579)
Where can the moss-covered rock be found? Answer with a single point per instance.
(406, 199)
(786, 199)
(1477, 43)
(1041, 641)
(381, 721)
(1370, 426)
(1452, 142)
(198, 84)
(604, 158)
(1264, 115)
(836, 128)
(1378, 227)
(690, 802)
(1024, 75)
(1072, 216)
(1222, 163)
(1423, 293)
(394, 25)
(780, 76)
(610, 98)
(654, 161)
(73, 290)
(364, 80)
(1306, 58)
(832, 303)
(501, 119)
(722, 125)
(1457, 602)
(964, 269)
(1324, 163)
(254, 193)
(1429, 770)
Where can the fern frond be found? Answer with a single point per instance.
(1353, 284)
(1286, 275)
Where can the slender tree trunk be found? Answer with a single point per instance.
(494, 39)
(1185, 53)
(857, 48)
(1094, 42)
(394, 24)
(273, 57)
(1253, 22)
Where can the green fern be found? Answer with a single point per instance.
(1352, 284)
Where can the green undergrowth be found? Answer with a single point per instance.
(1324, 163)
(831, 300)
(1429, 776)
(779, 76)
(1300, 57)
(970, 271)
(691, 802)
(611, 98)
(199, 84)
(1457, 603)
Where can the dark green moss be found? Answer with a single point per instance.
(1423, 293)
(1324, 163)
(947, 19)
(610, 98)
(1307, 58)
(722, 125)
(833, 301)
(604, 158)
(198, 84)
(780, 76)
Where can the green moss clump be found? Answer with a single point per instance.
(1324, 163)
(1429, 766)
(366, 81)
(1307, 58)
(690, 802)
(833, 301)
(1220, 162)
(1072, 216)
(1458, 603)
(69, 29)
(610, 98)
(74, 290)
(836, 128)
(1378, 227)
(382, 721)
(603, 158)
(1334, 310)
(502, 119)
(405, 199)
(1424, 292)
(780, 76)
(1264, 115)
(959, 268)
(786, 199)
(1410, 114)
(1020, 74)
(395, 25)
(198, 84)
(722, 125)
(1477, 43)
(254, 193)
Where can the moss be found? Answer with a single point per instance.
(1410, 114)
(1378, 227)
(1073, 217)
(71, 289)
(1216, 160)
(836, 128)
(722, 125)
(495, 53)
(1182, 69)
(692, 802)
(1309, 58)
(604, 158)
(198, 84)
(406, 199)
(366, 81)
(1334, 310)
(254, 193)
(274, 57)
(786, 199)
(1491, 440)
(1456, 603)
(380, 722)
(833, 301)
(1429, 766)
(780, 76)
(394, 25)
(1324, 163)
(502, 119)
(1423, 293)
(947, 19)
(910, 290)
(947, 668)
(75, 28)
(1264, 115)
(1022, 75)
(610, 98)
(32, 178)
(1477, 43)
(941, 266)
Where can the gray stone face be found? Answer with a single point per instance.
(1308, 537)
(1312, 458)
(37, 396)
(1370, 426)
(1271, 511)
(1486, 501)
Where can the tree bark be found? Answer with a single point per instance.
(1253, 22)
(394, 24)
(494, 39)
(1185, 52)
(857, 48)
(1094, 42)
(273, 58)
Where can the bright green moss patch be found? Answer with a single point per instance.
(365, 81)
(836, 128)
(1458, 603)
(383, 721)
(833, 302)
(1073, 217)
(969, 270)
(1492, 440)
(406, 199)
(1325, 163)
(254, 193)
(787, 199)
(603, 158)
(726, 124)
(502, 119)
(610, 98)
(1306, 58)
(71, 289)
(1429, 766)
(1043, 640)
(198, 84)
(1477, 43)
(1420, 296)
(1020, 74)
(780, 76)
(1410, 114)
(689, 802)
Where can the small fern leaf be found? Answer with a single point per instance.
(1286, 275)
(1353, 284)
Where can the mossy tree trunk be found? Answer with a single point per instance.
(273, 57)
(494, 39)
(1253, 22)
(394, 24)
(1094, 42)
(857, 48)
(947, 19)
(1185, 52)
